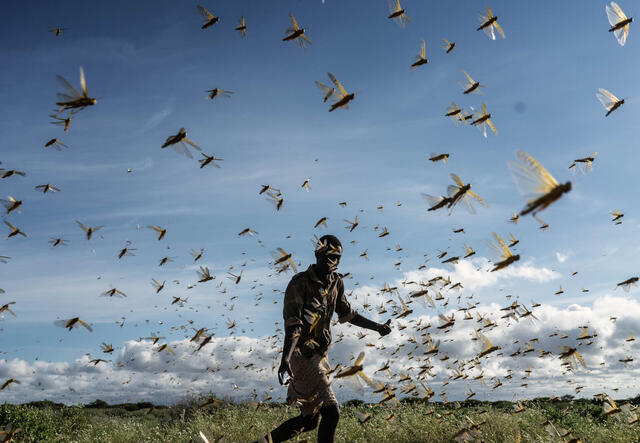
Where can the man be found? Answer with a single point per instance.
(310, 300)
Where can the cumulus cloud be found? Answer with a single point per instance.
(475, 274)
(241, 367)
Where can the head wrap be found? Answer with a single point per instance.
(329, 244)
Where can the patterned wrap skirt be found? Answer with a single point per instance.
(310, 386)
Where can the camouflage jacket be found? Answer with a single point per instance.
(309, 305)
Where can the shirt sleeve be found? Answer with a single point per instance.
(343, 307)
(293, 304)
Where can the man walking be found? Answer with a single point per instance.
(310, 300)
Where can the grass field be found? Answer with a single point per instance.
(410, 422)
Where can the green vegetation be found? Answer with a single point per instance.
(410, 422)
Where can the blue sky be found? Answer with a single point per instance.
(149, 64)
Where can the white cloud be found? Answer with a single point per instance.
(561, 257)
(475, 273)
(238, 366)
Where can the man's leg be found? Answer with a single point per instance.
(294, 426)
(328, 424)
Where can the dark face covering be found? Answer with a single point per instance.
(328, 254)
(327, 263)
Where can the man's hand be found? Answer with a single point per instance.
(283, 369)
(384, 329)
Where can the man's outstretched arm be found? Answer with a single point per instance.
(363, 322)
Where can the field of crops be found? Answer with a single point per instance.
(540, 421)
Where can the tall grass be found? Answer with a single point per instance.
(411, 422)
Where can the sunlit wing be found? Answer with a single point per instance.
(489, 30)
(70, 90)
(500, 247)
(615, 14)
(468, 78)
(477, 198)
(457, 180)
(371, 383)
(610, 406)
(427, 300)
(83, 82)
(499, 29)
(305, 38)
(492, 126)
(85, 325)
(606, 98)
(464, 202)
(293, 265)
(206, 15)
(359, 359)
(337, 83)
(482, 127)
(530, 176)
(294, 22)
(192, 144)
(487, 344)
(423, 49)
(621, 34)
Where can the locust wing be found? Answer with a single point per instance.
(294, 23)
(486, 344)
(499, 248)
(338, 84)
(70, 93)
(432, 200)
(206, 15)
(531, 178)
(615, 16)
(328, 92)
(499, 29)
(488, 30)
(606, 98)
